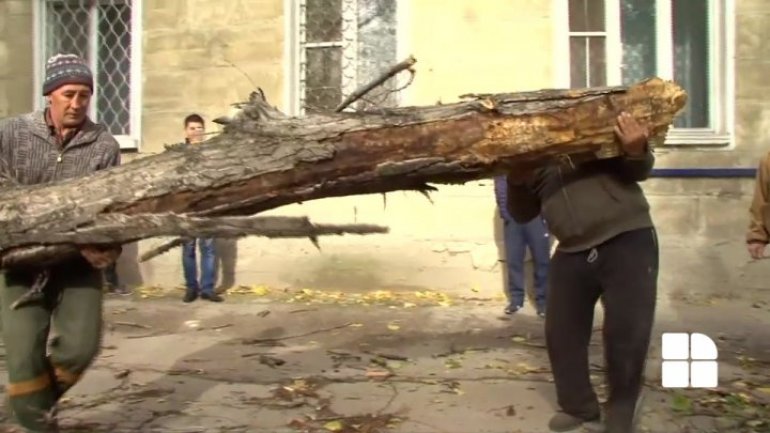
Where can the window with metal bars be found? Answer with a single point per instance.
(614, 42)
(341, 45)
(101, 32)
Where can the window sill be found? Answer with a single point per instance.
(697, 138)
(127, 142)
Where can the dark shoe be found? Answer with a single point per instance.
(564, 422)
(190, 296)
(212, 297)
(512, 309)
(119, 290)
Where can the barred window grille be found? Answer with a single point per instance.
(99, 31)
(344, 44)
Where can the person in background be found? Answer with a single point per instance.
(194, 130)
(757, 236)
(57, 143)
(608, 248)
(112, 282)
(517, 237)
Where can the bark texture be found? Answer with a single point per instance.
(264, 159)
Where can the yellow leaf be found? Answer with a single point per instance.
(356, 325)
(444, 303)
(393, 327)
(409, 304)
(260, 290)
(765, 390)
(452, 363)
(334, 426)
(518, 339)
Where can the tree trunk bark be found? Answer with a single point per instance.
(264, 160)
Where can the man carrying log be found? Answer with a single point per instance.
(608, 248)
(57, 143)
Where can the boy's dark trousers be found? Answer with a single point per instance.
(38, 375)
(624, 271)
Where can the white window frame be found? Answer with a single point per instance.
(721, 59)
(296, 47)
(128, 142)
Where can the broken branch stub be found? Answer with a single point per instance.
(258, 164)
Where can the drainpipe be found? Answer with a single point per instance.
(721, 172)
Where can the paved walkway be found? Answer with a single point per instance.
(306, 362)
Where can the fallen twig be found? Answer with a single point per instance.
(288, 337)
(132, 324)
(303, 310)
(387, 356)
(226, 325)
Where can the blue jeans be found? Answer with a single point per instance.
(518, 237)
(111, 275)
(208, 266)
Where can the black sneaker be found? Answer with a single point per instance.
(212, 297)
(512, 309)
(119, 290)
(564, 422)
(190, 296)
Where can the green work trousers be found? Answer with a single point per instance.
(50, 343)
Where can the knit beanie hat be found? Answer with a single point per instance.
(64, 69)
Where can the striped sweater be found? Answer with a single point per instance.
(30, 153)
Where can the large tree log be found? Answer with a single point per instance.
(264, 159)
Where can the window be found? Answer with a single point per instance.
(104, 33)
(341, 45)
(614, 42)
(689, 360)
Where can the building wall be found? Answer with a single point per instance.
(16, 64)
(201, 56)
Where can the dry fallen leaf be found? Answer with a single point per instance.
(452, 363)
(260, 290)
(334, 425)
(378, 374)
(393, 327)
(518, 339)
